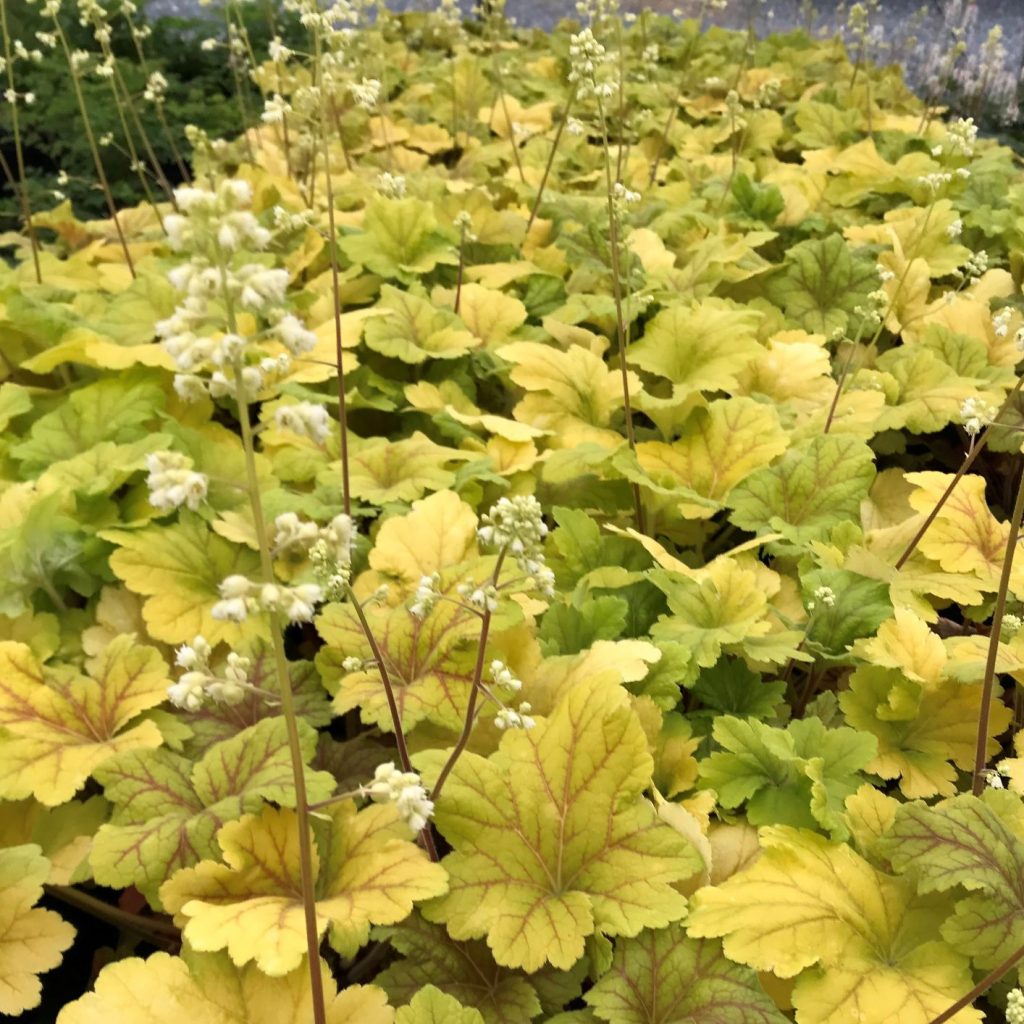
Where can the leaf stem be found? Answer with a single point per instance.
(960, 473)
(981, 988)
(157, 929)
(396, 717)
(284, 685)
(988, 685)
(478, 672)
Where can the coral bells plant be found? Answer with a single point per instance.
(527, 533)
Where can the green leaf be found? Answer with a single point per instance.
(800, 775)
(758, 202)
(811, 489)
(467, 971)
(964, 844)
(663, 977)
(168, 810)
(731, 687)
(859, 606)
(822, 283)
(566, 629)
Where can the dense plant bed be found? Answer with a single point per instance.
(630, 634)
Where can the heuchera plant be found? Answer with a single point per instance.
(527, 534)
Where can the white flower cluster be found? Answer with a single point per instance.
(307, 419)
(976, 415)
(976, 265)
(961, 136)
(591, 69)
(873, 313)
(291, 533)
(824, 595)
(483, 598)
(624, 196)
(427, 595)
(366, 93)
(1001, 321)
(955, 229)
(517, 524)
(241, 597)
(331, 556)
(405, 791)
(1015, 1007)
(172, 482)
(503, 676)
(156, 89)
(506, 718)
(391, 186)
(199, 683)
(214, 227)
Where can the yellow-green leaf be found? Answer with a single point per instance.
(31, 939)
(60, 726)
(367, 872)
(552, 840)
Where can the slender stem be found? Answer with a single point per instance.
(674, 108)
(462, 269)
(155, 928)
(551, 160)
(620, 324)
(478, 674)
(335, 288)
(839, 383)
(20, 186)
(981, 988)
(988, 684)
(964, 467)
(508, 119)
(307, 881)
(396, 717)
(101, 173)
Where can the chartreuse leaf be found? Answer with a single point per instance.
(415, 329)
(400, 239)
(965, 536)
(113, 409)
(64, 833)
(440, 531)
(924, 730)
(167, 810)
(552, 841)
(800, 775)
(31, 939)
(572, 393)
(178, 568)
(367, 872)
(383, 470)
(862, 944)
(60, 726)
(700, 346)
(964, 844)
(822, 284)
(811, 489)
(432, 1006)
(722, 609)
(663, 977)
(467, 971)
(719, 446)
(429, 662)
(205, 988)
